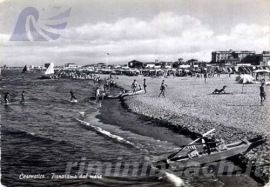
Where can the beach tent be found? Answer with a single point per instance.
(229, 70)
(245, 79)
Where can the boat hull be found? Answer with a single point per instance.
(46, 77)
(186, 162)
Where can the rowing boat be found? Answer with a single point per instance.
(180, 162)
(139, 92)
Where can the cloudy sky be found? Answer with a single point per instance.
(132, 29)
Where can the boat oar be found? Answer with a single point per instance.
(205, 134)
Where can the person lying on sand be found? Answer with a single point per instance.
(219, 90)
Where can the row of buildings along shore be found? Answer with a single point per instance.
(219, 59)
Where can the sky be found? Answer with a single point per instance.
(143, 30)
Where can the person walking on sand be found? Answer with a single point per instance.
(134, 86)
(144, 85)
(162, 89)
(205, 77)
(262, 93)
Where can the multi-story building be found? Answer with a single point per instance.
(262, 59)
(135, 64)
(223, 58)
(166, 65)
(265, 58)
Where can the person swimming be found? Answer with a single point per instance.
(6, 98)
(72, 96)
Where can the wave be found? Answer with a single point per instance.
(30, 135)
(106, 133)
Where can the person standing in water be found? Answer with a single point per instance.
(162, 89)
(6, 98)
(72, 96)
(97, 95)
(144, 85)
(262, 93)
(23, 100)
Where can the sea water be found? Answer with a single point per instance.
(50, 141)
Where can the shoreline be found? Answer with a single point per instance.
(191, 126)
(111, 119)
(193, 135)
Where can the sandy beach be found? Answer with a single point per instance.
(190, 97)
(189, 104)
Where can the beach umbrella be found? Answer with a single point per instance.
(262, 71)
(245, 79)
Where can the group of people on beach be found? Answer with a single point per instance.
(134, 87)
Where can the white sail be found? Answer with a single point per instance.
(50, 69)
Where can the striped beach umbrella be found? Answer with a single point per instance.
(245, 79)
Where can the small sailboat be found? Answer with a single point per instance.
(25, 69)
(49, 73)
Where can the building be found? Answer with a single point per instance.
(46, 65)
(223, 58)
(70, 65)
(265, 58)
(149, 65)
(135, 64)
(262, 59)
(166, 65)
